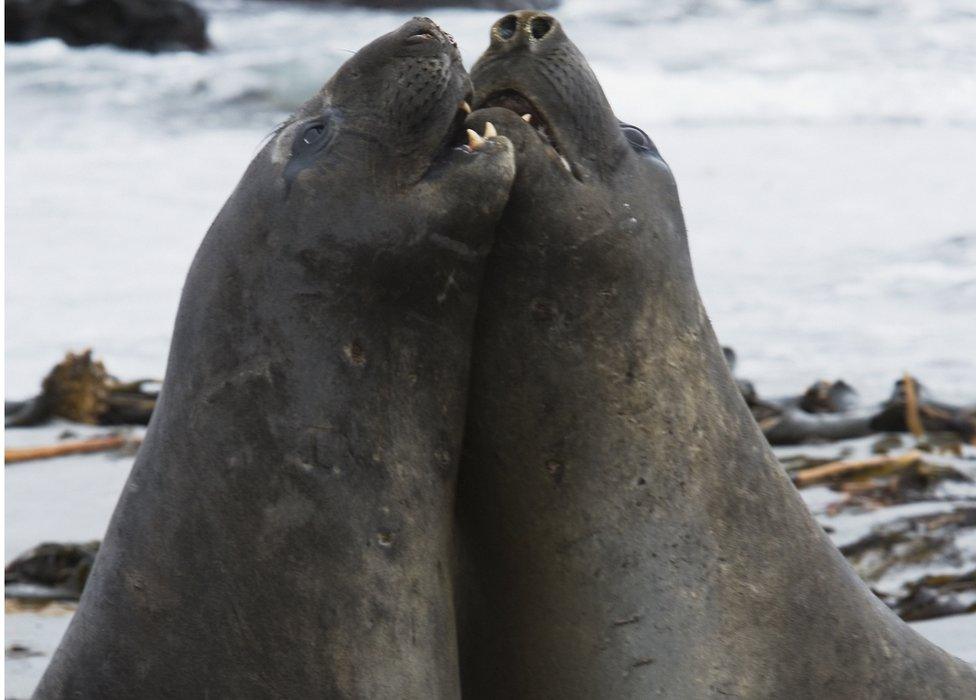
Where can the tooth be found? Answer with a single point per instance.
(464, 107)
(565, 163)
(527, 118)
(474, 141)
(490, 130)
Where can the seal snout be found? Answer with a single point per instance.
(525, 28)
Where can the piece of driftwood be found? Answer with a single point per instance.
(99, 444)
(911, 409)
(864, 468)
(794, 426)
(913, 420)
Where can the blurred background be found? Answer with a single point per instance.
(825, 152)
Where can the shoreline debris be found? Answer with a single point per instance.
(830, 412)
(13, 455)
(50, 571)
(80, 389)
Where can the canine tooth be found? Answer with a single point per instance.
(474, 141)
(464, 107)
(565, 163)
(527, 118)
(490, 130)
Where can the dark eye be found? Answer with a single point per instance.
(638, 140)
(312, 134)
(311, 140)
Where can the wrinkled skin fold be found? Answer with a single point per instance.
(286, 530)
(625, 530)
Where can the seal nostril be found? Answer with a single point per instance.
(506, 27)
(540, 26)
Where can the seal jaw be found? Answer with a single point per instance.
(460, 138)
(515, 101)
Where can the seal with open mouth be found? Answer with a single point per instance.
(626, 531)
(286, 530)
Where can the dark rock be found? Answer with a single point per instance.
(730, 357)
(829, 397)
(19, 651)
(143, 25)
(886, 443)
(748, 391)
(51, 570)
(501, 5)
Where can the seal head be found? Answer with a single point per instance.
(395, 106)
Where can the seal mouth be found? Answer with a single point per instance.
(459, 137)
(455, 137)
(515, 101)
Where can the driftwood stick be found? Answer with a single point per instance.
(912, 417)
(99, 444)
(846, 468)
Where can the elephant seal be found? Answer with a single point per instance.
(626, 530)
(287, 529)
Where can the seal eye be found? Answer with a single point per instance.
(310, 141)
(638, 140)
(312, 133)
(313, 138)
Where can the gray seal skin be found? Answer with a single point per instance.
(286, 531)
(626, 531)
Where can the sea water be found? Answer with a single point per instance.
(825, 152)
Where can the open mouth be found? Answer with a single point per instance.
(459, 136)
(456, 132)
(523, 106)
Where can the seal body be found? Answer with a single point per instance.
(286, 529)
(626, 531)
